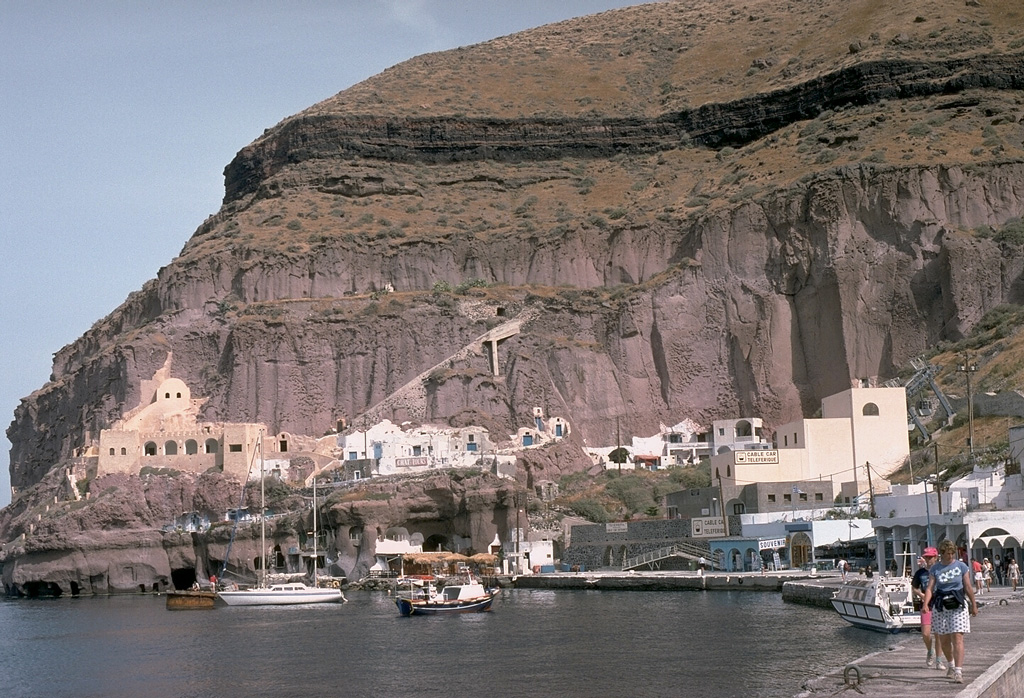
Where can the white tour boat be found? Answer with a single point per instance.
(885, 604)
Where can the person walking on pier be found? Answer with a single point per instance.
(919, 585)
(1013, 572)
(951, 599)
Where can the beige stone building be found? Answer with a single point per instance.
(164, 432)
(857, 427)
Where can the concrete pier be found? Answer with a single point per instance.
(674, 580)
(993, 663)
(993, 668)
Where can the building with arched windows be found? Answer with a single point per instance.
(858, 428)
(165, 432)
(813, 462)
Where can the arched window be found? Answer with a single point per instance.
(150, 448)
(191, 447)
(743, 429)
(211, 445)
(124, 451)
(111, 451)
(870, 409)
(171, 448)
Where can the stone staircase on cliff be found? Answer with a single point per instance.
(411, 398)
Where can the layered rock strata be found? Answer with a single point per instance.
(697, 210)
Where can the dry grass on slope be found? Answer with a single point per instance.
(661, 57)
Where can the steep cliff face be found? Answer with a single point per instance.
(698, 210)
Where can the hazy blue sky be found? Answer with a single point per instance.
(118, 117)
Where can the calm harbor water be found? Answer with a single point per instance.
(534, 643)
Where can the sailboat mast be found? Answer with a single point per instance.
(314, 528)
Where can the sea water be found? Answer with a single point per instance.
(532, 643)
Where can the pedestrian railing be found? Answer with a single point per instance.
(687, 550)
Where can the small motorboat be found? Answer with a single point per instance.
(469, 596)
(885, 604)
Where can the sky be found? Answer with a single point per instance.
(117, 118)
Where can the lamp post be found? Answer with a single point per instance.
(928, 511)
(967, 367)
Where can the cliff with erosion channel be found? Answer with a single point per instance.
(696, 209)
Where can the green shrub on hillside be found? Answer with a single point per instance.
(692, 478)
(1012, 232)
(636, 493)
(998, 323)
(591, 510)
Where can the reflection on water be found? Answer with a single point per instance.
(534, 643)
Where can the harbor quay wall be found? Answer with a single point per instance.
(811, 593)
(650, 582)
(1004, 679)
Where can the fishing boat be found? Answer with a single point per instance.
(885, 604)
(285, 594)
(469, 596)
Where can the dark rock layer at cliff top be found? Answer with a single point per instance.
(699, 210)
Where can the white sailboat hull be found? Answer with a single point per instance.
(281, 595)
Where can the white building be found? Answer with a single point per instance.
(397, 450)
(527, 556)
(389, 550)
(687, 443)
(858, 427)
(982, 512)
(738, 435)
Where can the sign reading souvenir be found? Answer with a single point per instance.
(757, 457)
(707, 526)
(771, 544)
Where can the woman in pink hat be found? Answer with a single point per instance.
(951, 599)
(919, 585)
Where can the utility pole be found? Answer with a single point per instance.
(721, 493)
(618, 445)
(967, 368)
(927, 513)
(938, 492)
(871, 489)
(519, 534)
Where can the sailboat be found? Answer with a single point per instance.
(287, 593)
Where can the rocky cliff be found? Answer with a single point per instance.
(700, 209)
